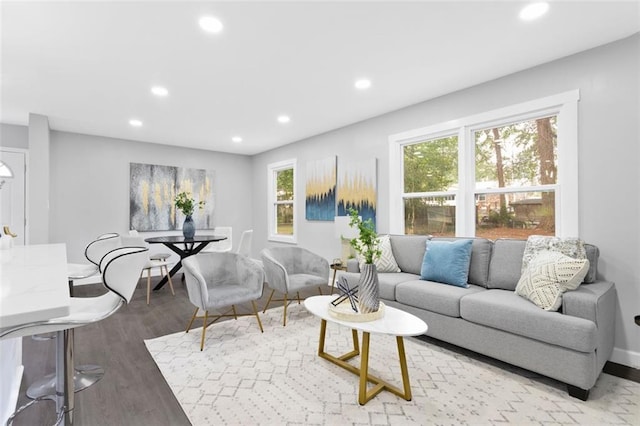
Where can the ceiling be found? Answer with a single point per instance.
(89, 66)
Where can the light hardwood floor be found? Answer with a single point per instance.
(133, 391)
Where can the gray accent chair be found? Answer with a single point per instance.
(221, 279)
(291, 269)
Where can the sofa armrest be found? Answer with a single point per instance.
(595, 302)
(353, 266)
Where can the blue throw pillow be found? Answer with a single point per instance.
(447, 262)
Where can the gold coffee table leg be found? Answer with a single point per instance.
(365, 395)
(404, 369)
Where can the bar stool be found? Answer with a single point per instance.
(88, 374)
(120, 270)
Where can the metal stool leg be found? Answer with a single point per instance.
(83, 376)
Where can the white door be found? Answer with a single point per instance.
(12, 195)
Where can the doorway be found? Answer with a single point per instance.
(13, 194)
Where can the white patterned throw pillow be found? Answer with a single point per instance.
(548, 276)
(386, 262)
(569, 246)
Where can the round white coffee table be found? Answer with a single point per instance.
(394, 322)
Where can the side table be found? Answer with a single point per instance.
(335, 269)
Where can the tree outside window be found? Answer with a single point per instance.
(516, 167)
(284, 203)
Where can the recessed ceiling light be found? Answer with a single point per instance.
(363, 83)
(159, 91)
(211, 24)
(236, 139)
(534, 11)
(135, 123)
(284, 119)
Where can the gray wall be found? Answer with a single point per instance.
(38, 180)
(609, 137)
(90, 185)
(13, 136)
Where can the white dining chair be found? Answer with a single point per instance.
(244, 247)
(222, 245)
(155, 261)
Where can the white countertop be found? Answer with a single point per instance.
(394, 322)
(33, 284)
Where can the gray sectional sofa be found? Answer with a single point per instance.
(571, 345)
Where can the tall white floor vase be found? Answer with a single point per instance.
(368, 291)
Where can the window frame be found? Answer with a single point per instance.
(273, 202)
(563, 105)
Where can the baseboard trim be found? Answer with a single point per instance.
(625, 357)
(622, 371)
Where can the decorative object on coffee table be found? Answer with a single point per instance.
(186, 204)
(368, 245)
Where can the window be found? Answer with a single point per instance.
(430, 182)
(282, 224)
(515, 175)
(504, 173)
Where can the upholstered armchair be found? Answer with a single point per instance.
(291, 269)
(219, 280)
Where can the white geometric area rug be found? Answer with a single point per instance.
(244, 377)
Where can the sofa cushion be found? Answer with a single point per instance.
(506, 263)
(386, 262)
(432, 296)
(447, 262)
(480, 258)
(548, 276)
(505, 310)
(408, 251)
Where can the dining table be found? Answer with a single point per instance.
(183, 247)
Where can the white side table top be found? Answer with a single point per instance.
(33, 284)
(394, 322)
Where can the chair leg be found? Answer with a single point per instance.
(298, 296)
(204, 329)
(166, 273)
(268, 301)
(235, 314)
(192, 318)
(284, 317)
(255, 311)
(320, 290)
(148, 284)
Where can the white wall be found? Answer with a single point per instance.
(609, 138)
(90, 185)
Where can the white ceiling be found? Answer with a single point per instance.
(89, 66)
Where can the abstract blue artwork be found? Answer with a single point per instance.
(320, 189)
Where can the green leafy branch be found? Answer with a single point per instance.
(186, 204)
(367, 243)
